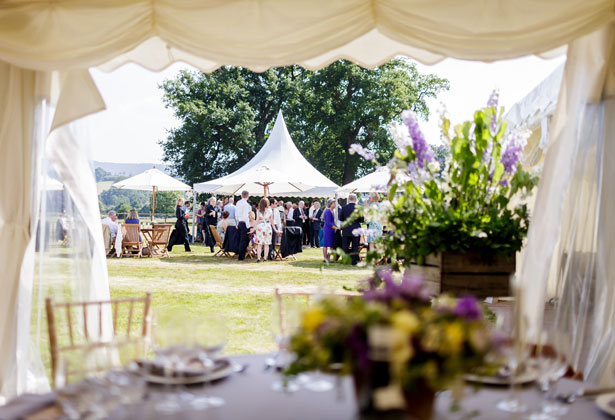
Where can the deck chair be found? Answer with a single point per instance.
(131, 245)
(308, 298)
(160, 239)
(221, 252)
(78, 326)
(108, 240)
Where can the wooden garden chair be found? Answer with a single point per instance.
(221, 252)
(160, 239)
(131, 245)
(309, 297)
(78, 326)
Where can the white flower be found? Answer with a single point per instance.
(433, 166)
(401, 137)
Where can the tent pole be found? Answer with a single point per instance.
(153, 202)
(193, 214)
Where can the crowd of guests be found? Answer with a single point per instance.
(262, 223)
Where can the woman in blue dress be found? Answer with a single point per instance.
(329, 230)
(374, 226)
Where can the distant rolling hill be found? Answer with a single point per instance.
(128, 169)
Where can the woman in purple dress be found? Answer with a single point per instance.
(329, 230)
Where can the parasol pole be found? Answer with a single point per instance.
(153, 201)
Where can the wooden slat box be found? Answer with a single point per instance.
(467, 273)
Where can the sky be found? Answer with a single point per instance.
(136, 119)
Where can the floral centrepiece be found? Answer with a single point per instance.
(425, 342)
(472, 200)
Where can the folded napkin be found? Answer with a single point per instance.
(25, 405)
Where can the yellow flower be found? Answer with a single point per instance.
(405, 321)
(312, 318)
(454, 336)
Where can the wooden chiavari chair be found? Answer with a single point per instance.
(84, 327)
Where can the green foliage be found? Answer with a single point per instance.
(124, 200)
(102, 175)
(226, 115)
(165, 201)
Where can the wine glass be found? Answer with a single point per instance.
(552, 366)
(285, 322)
(168, 341)
(516, 353)
(209, 335)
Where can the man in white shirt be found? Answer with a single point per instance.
(242, 214)
(111, 221)
(230, 207)
(277, 222)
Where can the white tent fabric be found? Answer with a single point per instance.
(539, 103)
(316, 192)
(279, 165)
(54, 42)
(374, 182)
(152, 178)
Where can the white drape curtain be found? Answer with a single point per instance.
(570, 243)
(38, 38)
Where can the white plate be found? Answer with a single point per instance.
(529, 375)
(606, 403)
(188, 380)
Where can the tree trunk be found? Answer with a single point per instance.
(349, 168)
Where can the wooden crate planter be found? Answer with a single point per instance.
(467, 273)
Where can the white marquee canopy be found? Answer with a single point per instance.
(279, 167)
(377, 181)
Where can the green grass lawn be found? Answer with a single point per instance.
(242, 293)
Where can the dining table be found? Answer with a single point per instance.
(248, 394)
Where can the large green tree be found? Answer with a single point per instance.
(227, 114)
(343, 104)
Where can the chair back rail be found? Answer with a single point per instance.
(279, 296)
(93, 339)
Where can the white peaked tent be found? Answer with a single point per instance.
(152, 180)
(374, 182)
(277, 169)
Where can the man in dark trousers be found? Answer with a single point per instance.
(242, 213)
(347, 237)
(301, 218)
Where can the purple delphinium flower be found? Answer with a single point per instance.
(419, 144)
(361, 151)
(511, 156)
(503, 183)
(494, 98)
(467, 307)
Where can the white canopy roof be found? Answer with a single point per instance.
(278, 164)
(376, 181)
(146, 181)
(538, 104)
